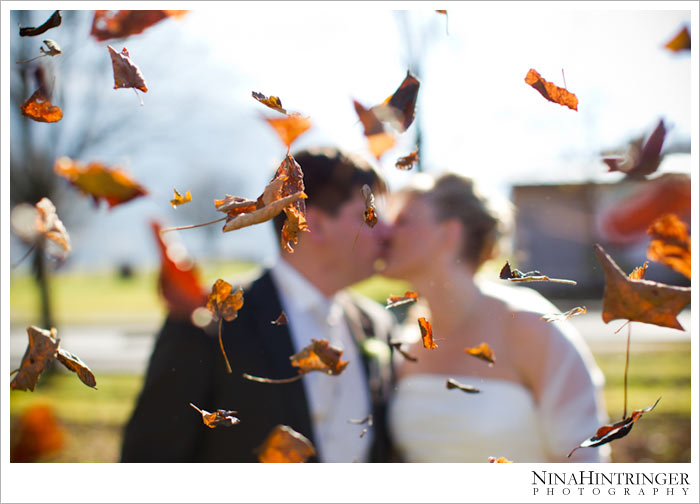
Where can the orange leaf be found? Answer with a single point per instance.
(32, 222)
(290, 127)
(379, 140)
(407, 162)
(99, 181)
(41, 350)
(273, 102)
(319, 356)
(500, 460)
(639, 272)
(178, 281)
(220, 418)
(426, 331)
(52, 22)
(39, 108)
(222, 303)
(369, 214)
(550, 91)
(36, 434)
(618, 430)
(639, 300)
(295, 223)
(126, 73)
(670, 244)
(179, 199)
(284, 444)
(680, 42)
(110, 24)
(409, 297)
(640, 160)
(483, 352)
(399, 109)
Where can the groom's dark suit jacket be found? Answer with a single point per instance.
(187, 367)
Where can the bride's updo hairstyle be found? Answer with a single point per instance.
(485, 222)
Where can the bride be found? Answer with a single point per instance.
(541, 397)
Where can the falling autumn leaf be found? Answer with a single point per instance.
(52, 22)
(99, 181)
(670, 243)
(454, 384)
(36, 434)
(178, 199)
(224, 305)
(284, 444)
(107, 25)
(407, 162)
(579, 310)
(500, 460)
(515, 275)
(126, 73)
(219, 418)
(426, 332)
(39, 108)
(550, 91)
(641, 159)
(52, 49)
(289, 128)
(74, 363)
(482, 351)
(394, 301)
(639, 300)
(399, 108)
(319, 356)
(369, 214)
(680, 42)
(281, 320)
(273, 102)
(178, 279)
(618, 430)
(32, 222)
(379, 140)
(396, 345)
(41, 350)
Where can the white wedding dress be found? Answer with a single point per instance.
(430, 423)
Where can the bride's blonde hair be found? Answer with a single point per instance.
(486, 222)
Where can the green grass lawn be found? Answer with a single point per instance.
(93, 419)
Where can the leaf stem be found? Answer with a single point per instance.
(192, 226)
(271, 380)
(13, 372)
(627, 363)
(221, 343)
(13, 266)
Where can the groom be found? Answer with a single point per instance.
(187, 365)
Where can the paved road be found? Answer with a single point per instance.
(127, 347)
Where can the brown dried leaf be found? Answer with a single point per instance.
(107, 25)
(31, 222)
(281, 320)
(52, 22)
(426, 331)
(222, 303)
(319, 356)
(284, 444)
(399, 109)
(219, 418)
(670, 243)
(41, 350)
(639, 300)
(379, 140)
(550, 91)
(618, 430)
(516, 275)
(74, 363)
(482, 351)
(273, 102)
(680, 42)
(126, 73)
(640, 160)
(408, 297)
(407, 162)
(454, 384)
(370, 215)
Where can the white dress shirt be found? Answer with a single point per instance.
(333, 400)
